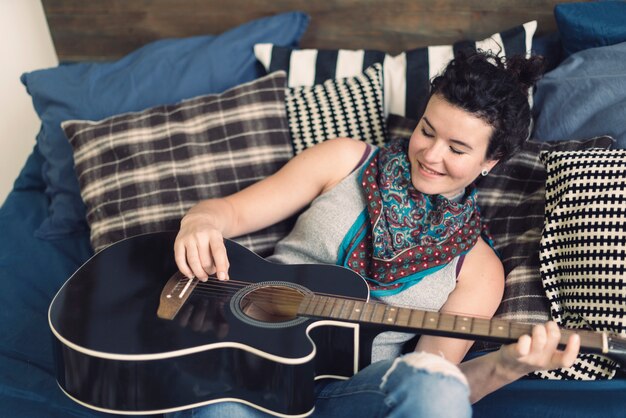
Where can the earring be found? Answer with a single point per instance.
(484, 172)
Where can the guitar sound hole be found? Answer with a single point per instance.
(271, 303)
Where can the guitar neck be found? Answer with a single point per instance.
(433, 323)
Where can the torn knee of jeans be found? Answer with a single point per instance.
(428, 362)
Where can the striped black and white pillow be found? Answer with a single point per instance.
(140, 172)
(406, 76)
(347, 107)
(583, 249)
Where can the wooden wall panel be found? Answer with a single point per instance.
(107, 29)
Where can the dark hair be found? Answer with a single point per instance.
(494, 89)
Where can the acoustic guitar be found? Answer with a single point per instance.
(134, 336)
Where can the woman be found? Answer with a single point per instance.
(405, 218)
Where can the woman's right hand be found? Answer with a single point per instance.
(199, 248)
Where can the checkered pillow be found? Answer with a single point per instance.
(512, 200)
(583, 249)
(406, 75)
(347, 107)
(140, 172)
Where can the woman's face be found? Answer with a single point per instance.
(447, 149)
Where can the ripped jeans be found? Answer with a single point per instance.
(416, 385)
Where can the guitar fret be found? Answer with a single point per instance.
(320, 305)
(378, 313)
(328, 307)
(336, 305)
(481, 326)
(305, 305)
(367, 312)
(431, 320)
(308, 308)
(391, 315)
(345, 303)
(357, 311)
(402, 318)
(499, 328)
(416, 318)
(446, 322)
(463, 324)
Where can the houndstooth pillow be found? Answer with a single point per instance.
(583, 249)
(346, 107)
(140, 172)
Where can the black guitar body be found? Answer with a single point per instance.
(113, 353)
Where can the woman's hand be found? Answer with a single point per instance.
(199, 247)
(538, 351)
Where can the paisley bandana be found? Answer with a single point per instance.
(406, 235)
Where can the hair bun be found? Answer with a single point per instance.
(527, 71)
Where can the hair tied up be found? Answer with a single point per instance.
(527, 71)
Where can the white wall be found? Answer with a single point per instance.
(25, 45)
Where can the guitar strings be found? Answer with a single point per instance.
(222, 289)
(230, 287)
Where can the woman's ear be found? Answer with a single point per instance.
(489, 164)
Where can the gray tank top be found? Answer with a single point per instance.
(317, 236)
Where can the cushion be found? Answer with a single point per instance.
(406, 76)
(586, 25)
(346, 107)
(549, 47)
(162, 72)
(511, 198)
(140, 172)
(584, 96)
(583, 248)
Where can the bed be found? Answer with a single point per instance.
(126, 63)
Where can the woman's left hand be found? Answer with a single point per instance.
(538, 351)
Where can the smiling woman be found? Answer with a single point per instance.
(448, 149)
(405, 218)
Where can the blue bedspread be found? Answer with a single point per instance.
(32, 270)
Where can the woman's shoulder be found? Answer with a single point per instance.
(482, 263)
(342, 156)
(346, 147)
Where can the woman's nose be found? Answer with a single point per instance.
(433, 152)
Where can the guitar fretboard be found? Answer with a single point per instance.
(428, 322)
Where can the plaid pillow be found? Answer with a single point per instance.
(583, 247)
(406, 76)
(347, 107)
(512, 199)
(140, 172)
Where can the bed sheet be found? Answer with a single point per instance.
(32, 270)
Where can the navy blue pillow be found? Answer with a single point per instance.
(590, 24)
(159, 73)
(584, 97)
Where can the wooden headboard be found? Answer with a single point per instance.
(107, 29)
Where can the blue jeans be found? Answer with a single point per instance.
(417, 385)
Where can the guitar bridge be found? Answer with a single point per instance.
(174, 295)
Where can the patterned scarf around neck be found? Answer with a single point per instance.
(406, 235)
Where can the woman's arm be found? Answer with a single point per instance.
(478, 293)
(199, 248)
